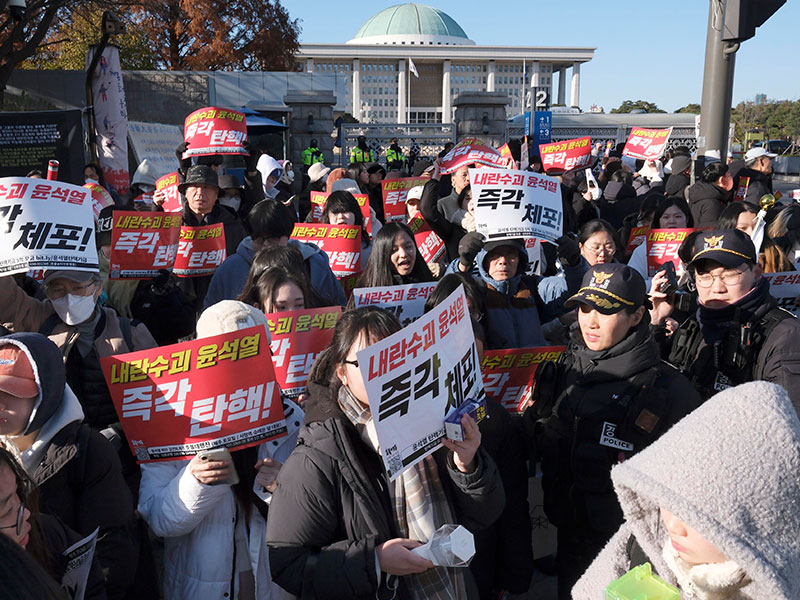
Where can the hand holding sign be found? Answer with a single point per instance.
(464, 452)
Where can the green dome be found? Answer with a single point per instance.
(407, 22)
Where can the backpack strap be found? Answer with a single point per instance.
(49, 324)
(127, 335)
(635, 554)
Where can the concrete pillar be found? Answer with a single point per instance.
(575, 95)
(319, 105)
(533, 72)
(471, 107)
(402, 87)
(562, 85)
(309, 65)
(446, 103)
(356, 89)
(490, 79)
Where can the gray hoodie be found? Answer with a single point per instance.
(729, 470)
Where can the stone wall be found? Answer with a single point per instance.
(161, 97)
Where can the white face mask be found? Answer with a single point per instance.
(272, 192)
(89, 180)
(232, 202)
(595, 192)
(74, 310)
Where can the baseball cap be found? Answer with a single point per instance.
(16, 373)
(755, 153)
(76, 276)
(415, 193)
(610, 288)
(728, 247)
(680, 163)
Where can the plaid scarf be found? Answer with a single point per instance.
(420, 507)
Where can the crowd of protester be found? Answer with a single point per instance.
(666, 432)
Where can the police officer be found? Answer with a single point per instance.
(362, 153)
(607, 397)
(395, 160)
(310, 156)
(739, 333)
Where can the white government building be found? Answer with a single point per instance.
(380, 87)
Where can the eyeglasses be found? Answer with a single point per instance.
(57, 292)
(20, 519)
(607, 249)
(352, 362)
(706, 280)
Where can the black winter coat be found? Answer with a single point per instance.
(706, 201)
(676, 184)
(451, 233)
(619, 200)
(332, 503)
(760, 184)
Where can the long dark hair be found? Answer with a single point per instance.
(665, 204)
(343, 201)
(595, 226)
(379, 270)
(261, 294)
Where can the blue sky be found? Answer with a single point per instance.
(646, 50)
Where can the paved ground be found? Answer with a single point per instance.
(785, 184)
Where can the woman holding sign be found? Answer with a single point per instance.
(395, 259)
(338, 528)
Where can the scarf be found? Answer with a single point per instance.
(710, 581)
(714, 321)
(420, 507)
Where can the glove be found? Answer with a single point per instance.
(568, 251)
(468, 249)
(251, 160)
(185, 163)
(162, 283)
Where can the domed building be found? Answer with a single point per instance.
(408, 62)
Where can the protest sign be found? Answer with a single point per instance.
(319, 199)
(155, 142)
(342, 244)
(471, 151)
(100, 198)
(395, 193)
(416, 377)
(741, 191)
(298, 336)
(46, 225)
(508, 374)
(646, 143)
(142, 243)
(407, 302)
(514, 204)
(637, 237)
(78, 558)
(505, 151)
(536, 264)
(174, 401)
(559, 157)
(168, 185)
(214, 130)
(430, 245)
(662, 247)
(796, 194)
(200, 250)
(785, 288)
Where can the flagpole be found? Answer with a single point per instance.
(408, 93)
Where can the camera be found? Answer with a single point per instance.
(17, 9)
(679, 299)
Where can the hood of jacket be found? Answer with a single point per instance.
(676, 183)
(617, 190)
(508, 287)
(267, 166)
(48, 369)
(702, 190)
(634, 354)
(729, 470)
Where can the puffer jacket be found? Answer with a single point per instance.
(728, 470)
(332, 503)
(229, 279)
(706, 201)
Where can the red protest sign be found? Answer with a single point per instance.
(646, 143)
(507, 374)
(318, 200)
(505, 151)
(298, 336)
(662, 247)
(559, 157)
(100, 198)
(342, 244)
(174, 401)
(430, 245)
(395, 193)
(142, 243)
(741, 191)
(200, 250)
(214, 130)
(168, 185)
(637, 237)
(471, 151)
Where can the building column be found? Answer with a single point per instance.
(446, 104)
(402, 116)
(357, 89)
(575, 95)
(491, 77)
(562, 85)
(309, 65)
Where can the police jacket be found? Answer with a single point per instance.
(594, 409)
(311, 155)
(362, 156)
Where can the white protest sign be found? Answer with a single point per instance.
(157, 143)
(514, 204)
(407, 302)
(785, 288)
(45, 225)
(536, 263)
(79, 562)
(416, 377)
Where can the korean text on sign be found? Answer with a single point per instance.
(342, 244)
(100, 198)
(214, 130)
(663, 246)
(200, 250)
(785, 288)
(507, 374)
(395, 194)
(174, 401)
(168, 185)
(513, 204)
(143, 243)
(637, 238)
(559, 157)
(407, 302)
(471, 151)
(416, 377)
(646, 143)
(45, 225)
(298, 336)
(430, 245)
